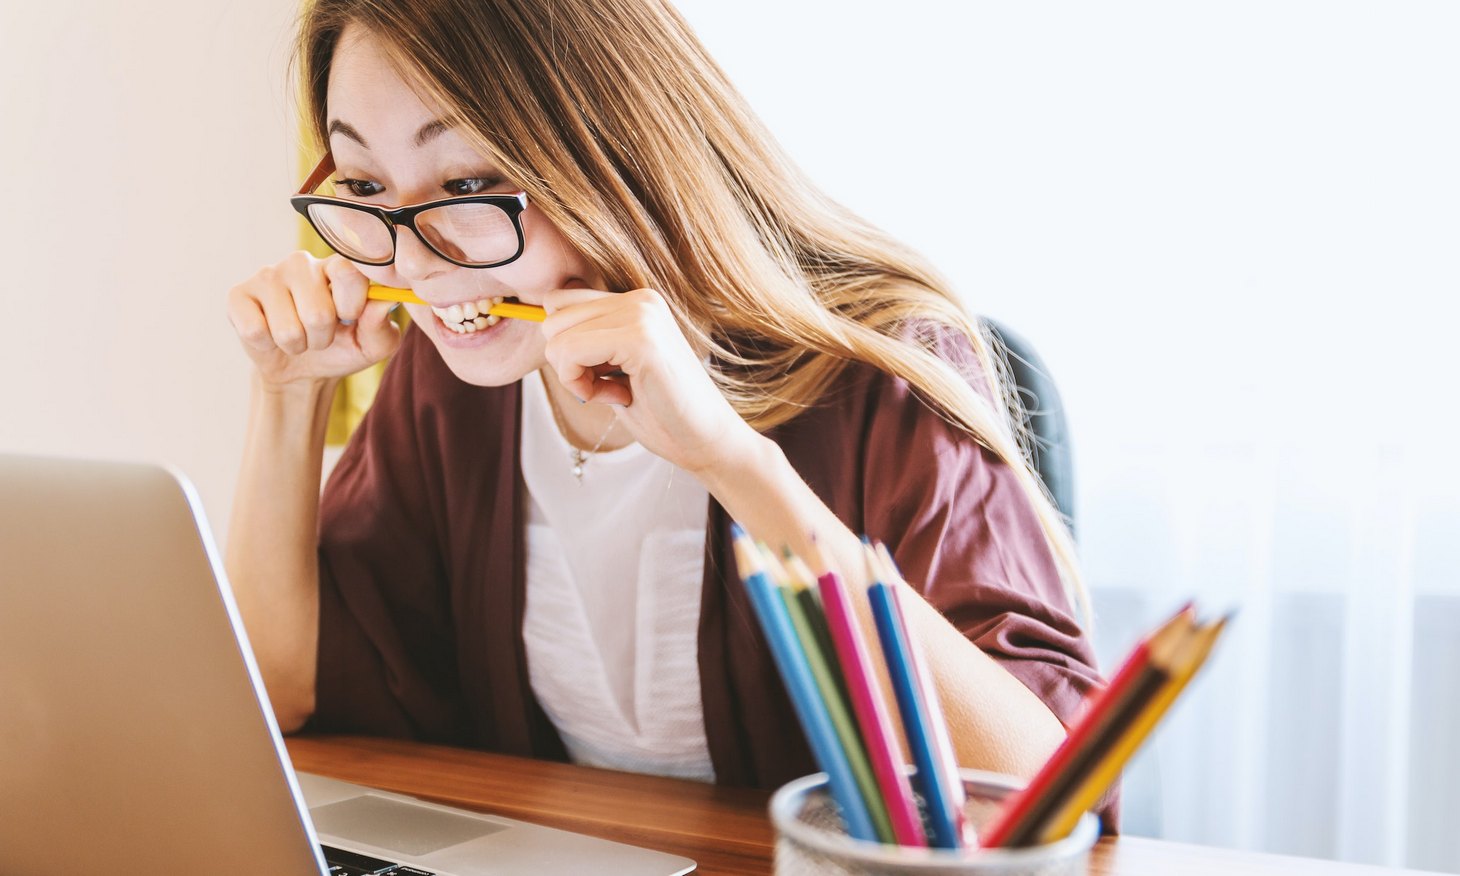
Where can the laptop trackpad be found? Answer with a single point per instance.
(401, 827)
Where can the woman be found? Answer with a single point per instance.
(524, 547)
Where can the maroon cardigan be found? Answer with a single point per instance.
(422, 567)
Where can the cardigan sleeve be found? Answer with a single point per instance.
(385, 657)
(965, 533)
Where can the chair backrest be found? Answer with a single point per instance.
(1044, 418)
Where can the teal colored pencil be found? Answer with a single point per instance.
(824, 670)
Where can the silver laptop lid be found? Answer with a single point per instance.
(133, 738)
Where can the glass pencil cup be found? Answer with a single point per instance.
(810, 839)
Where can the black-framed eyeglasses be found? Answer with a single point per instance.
(473, 231)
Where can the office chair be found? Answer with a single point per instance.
(1044, 418)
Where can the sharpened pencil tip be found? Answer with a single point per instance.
(746, 560)
(874, 575)
(815, 557)
(888, 564)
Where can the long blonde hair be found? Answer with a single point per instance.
(634, 144)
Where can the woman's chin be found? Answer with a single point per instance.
(495, 356)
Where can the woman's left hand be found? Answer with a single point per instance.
(668, 400)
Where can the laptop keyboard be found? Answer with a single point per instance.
(346, 863)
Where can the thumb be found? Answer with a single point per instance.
(377, 336)
(347, 287)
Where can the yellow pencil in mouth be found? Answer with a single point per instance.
(505, 309)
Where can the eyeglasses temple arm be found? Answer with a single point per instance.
(325, 167)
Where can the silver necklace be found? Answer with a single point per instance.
(578, 457)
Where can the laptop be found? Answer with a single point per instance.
(136, 735)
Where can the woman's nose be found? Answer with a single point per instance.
(413, 259)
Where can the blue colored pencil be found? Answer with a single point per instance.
(919, 718)
(942, 743)
(805, 698)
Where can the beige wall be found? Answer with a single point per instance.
(145, 157)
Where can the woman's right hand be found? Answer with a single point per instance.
(306, 320)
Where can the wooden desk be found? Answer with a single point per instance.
(725, 829)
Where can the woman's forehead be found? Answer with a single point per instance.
(368, 94)
(376, 113)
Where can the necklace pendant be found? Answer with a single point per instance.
(579, 457)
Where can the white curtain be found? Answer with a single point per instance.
(1327, 723)
(1233, 231)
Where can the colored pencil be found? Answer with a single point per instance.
(804, 611)
(949, 781)
(868, 705)
(1184, 663)
(795, 672)
(818, 647)
(803, 584)
(917, 718)
(1017, 820)
(507, 309)
(1144, 687)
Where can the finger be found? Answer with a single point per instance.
(348, 288)
(611, 390)
(319, 321)
(313, 305)
(575, 379)
(285, 329)
(639, 308)
(557, 299)
(579, 356)
(376, 334)
(302, 276)
(603, 314)
(247, 317)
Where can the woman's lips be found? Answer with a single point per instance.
(470, 316)
(460, 336)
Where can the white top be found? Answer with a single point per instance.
(614, 569)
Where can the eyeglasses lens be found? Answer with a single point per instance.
(479, 234)
(352, 233)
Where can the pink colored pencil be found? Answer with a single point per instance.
(869, 707)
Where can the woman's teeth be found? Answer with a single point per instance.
(469, 316)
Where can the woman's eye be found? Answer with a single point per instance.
(470, 186)
(360, 188)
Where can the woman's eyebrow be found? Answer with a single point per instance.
(428, 132)
(339, 127)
